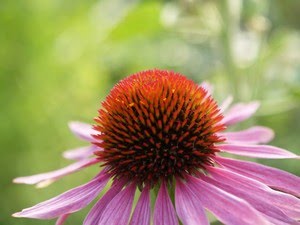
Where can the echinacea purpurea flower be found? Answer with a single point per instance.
(159, 132)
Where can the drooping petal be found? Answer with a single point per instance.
(263, 198)
(288, 203)
(270, 211)
(44, 179)
(142, 211)
(226, 103)
(253, 135)
(274, 221)
(257, 151)
(275, 178)
(228, 208)
(240, 112)
(189, 210)
(118, 210)
(164, 213)
(61, 220)
(80, 153)
(68, 202)
(96, 212)
(83, 131)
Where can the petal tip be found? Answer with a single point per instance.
(17, 215)
(44, 183)
(73, 123)
(16, 180)
(267, 134)
(82, 130)
(271, 134)
(254, 105)
(256, 102)
(21, 180)
(207, 86)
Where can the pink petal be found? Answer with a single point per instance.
(226, 103)
(118, 210)
(240, 112)
(83, 130)
(257, 151)
(272, 177)
(253, 135)
(164, 213)
(270, 211)
(96, 212)
(274, 221)
(189, 209)
(68, 202)
(80, 153)
(227, 208)
(61, 220)
(287, 203)
(44, 179)
(142, 211)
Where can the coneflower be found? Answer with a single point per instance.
(159, 132)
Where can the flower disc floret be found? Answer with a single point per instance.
(155, 125)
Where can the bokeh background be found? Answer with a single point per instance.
(59, 59)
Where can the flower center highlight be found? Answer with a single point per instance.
(157, 125)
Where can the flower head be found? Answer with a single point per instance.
(157, 125)
(158, 130)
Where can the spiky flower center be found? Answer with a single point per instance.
(155, 125)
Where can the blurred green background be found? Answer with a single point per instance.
(59, 59)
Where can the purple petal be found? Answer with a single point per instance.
(44, 179)
(189, 209)
(274, 221)
(289, 204)
(142, 211)
(68, 202)
(118, 210)
(61, 220)
(272, 177)
(257, 194)
(96, 212)
(164, 213)
(257, 151)
(253, 135)
(228, 208)
(80, 153)
(272, 213)
(83, 130)
(240, 112)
